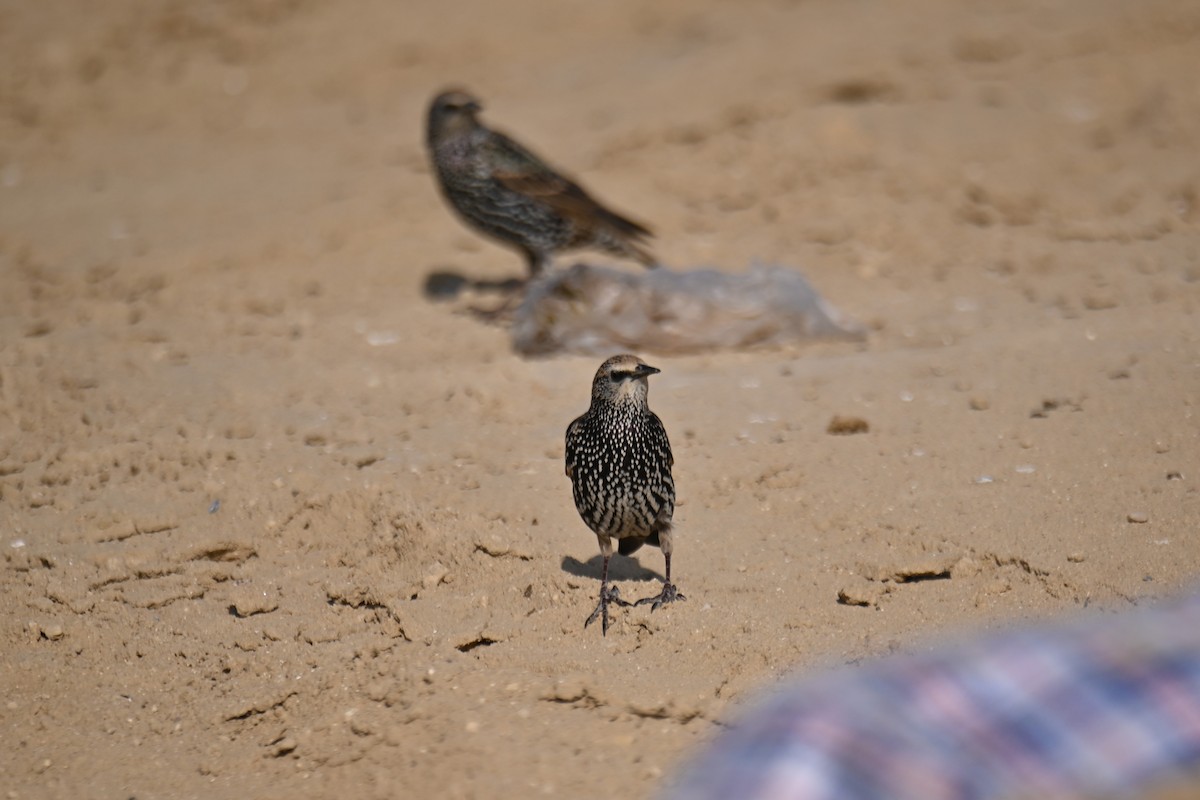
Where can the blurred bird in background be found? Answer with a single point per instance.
(507, 193)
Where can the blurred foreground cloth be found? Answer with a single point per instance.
(1104, 707)
(596, 310)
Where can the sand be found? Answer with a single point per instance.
(274, 524)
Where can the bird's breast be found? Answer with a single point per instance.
(622, 474)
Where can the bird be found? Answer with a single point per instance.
(507, 193)
(619, 460)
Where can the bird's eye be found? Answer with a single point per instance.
(617, 377)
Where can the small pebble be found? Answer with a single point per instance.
(284, 746)
(248, 601)
(843, 426)
(1138, 516)
(438, 573)
(862, 594)
(382, 338)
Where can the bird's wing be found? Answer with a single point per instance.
(519, 170)
(570, 451)
(656, 422)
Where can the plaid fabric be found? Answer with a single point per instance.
(1097, 707)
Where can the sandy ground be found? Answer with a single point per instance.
(275, 525)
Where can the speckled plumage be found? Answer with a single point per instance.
(619, 460)
(507, 193)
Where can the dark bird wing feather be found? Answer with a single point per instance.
(519, 170)
(572, 433)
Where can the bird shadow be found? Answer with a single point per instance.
(444, 285)
(620, 568)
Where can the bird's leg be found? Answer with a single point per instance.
(608, 594)
(538, 262)
(669, 593)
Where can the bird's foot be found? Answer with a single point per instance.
(502, 314)
(669, 594)
(608, 594)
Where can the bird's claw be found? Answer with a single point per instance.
(608, 594)
(669, 594)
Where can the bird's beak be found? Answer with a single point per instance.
(473, 107)
(645, 370)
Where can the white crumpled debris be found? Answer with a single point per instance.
(595, 310)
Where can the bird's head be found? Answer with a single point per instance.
(623, 379)
(452, 112)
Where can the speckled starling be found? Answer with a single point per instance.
(619, 462)
(506, 192)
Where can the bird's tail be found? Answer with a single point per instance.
(641, 254)
(630, 545)
(630, 239)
